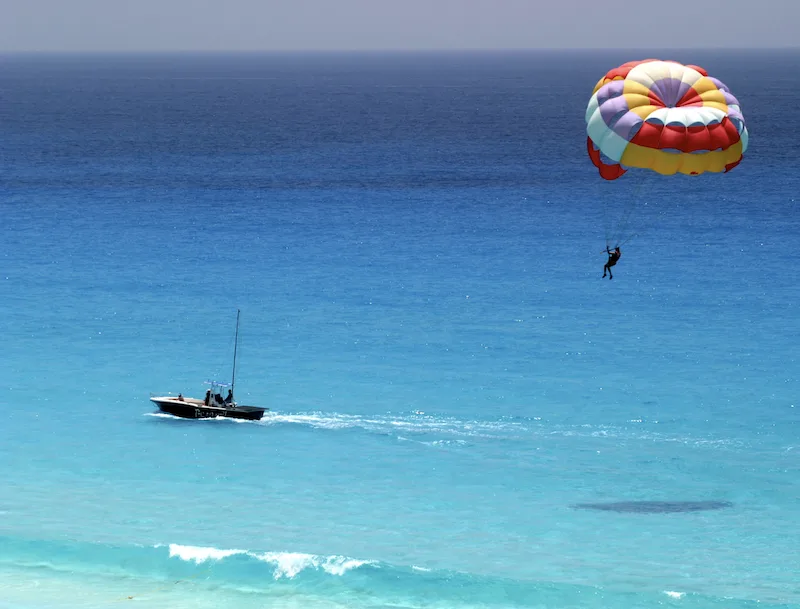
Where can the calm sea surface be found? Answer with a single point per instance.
(415, 243)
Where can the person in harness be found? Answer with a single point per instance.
(613, 257)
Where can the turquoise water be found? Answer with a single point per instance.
(415, 243)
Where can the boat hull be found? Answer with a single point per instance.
(190, 408)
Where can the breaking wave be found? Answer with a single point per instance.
(346, 581)
(284, 564)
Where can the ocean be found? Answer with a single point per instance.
(462, 412)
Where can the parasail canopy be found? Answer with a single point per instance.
(666, 117)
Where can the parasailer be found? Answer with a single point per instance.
(663, 117)
(613, 257)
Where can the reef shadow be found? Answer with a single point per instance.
(655, 507)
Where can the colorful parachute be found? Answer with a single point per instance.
(663, 116)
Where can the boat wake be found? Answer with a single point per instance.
(453, 432)
(399, 424)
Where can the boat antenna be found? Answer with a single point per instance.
(235, 345)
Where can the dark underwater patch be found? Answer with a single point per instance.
(655, 507)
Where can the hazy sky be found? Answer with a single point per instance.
(152, 25)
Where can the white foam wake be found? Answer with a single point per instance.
(456, 432)
(399, 424)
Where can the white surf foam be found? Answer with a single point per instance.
(200, 555)
(286, 564)
(289, 564)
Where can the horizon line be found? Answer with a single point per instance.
(364, 51)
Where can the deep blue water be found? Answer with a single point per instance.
(416, 244)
